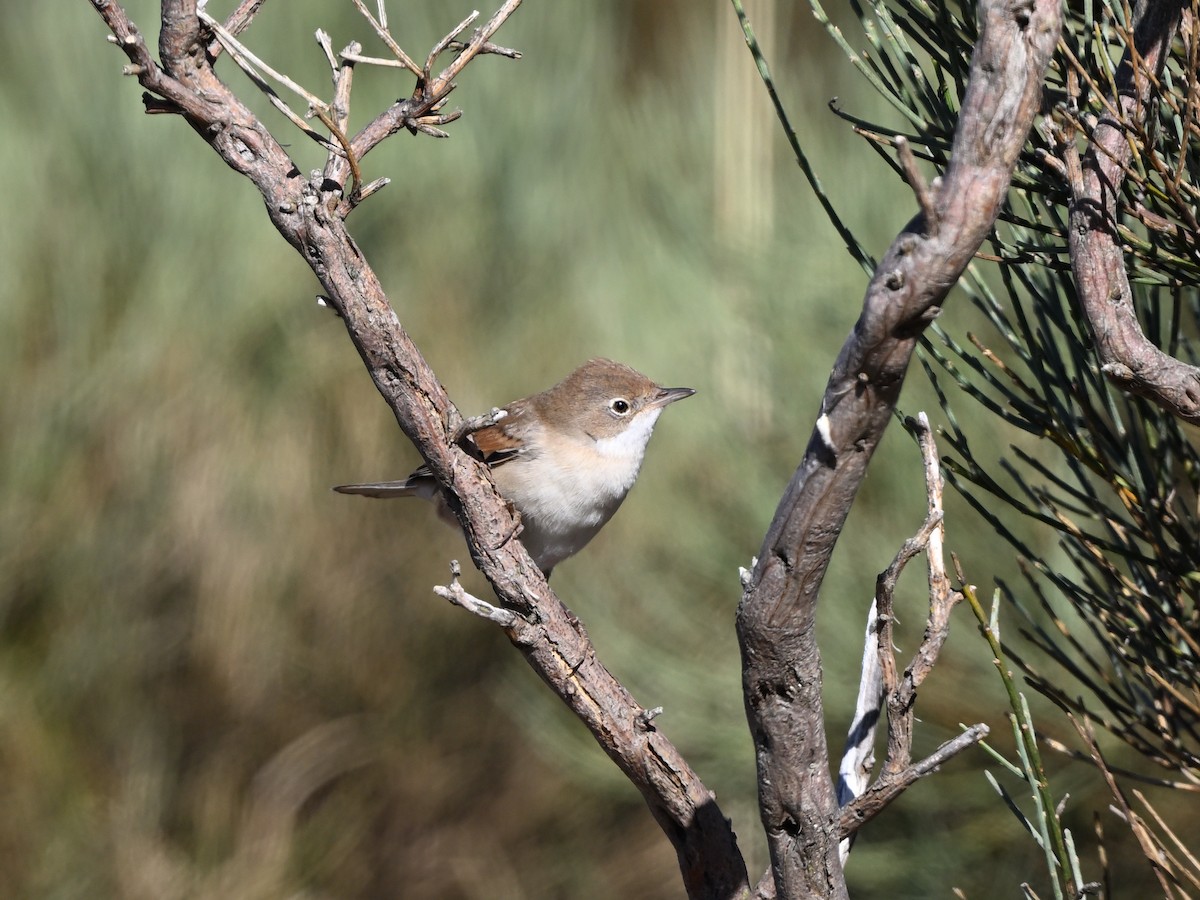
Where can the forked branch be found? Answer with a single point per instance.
(776, 618)
(900, 692)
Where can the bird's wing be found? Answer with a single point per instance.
(501, 442)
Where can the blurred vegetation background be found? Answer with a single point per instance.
(219, 679)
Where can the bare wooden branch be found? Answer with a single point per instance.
(902, 693)
(309, 213)
(880, 678)
(776, 618)
(179, 36)
(149, 74)
(1127, 357)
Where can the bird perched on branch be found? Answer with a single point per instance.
(564, 458)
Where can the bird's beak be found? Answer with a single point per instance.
(670, 395)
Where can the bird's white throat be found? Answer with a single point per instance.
(630, 443)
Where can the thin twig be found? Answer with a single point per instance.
(336, 118)
(441, 45)
(326, 45)
(381, 29)
(419, 113)
(237, 22)
(1059, 747)
(1186, 862)
(455, 593)
(247, 61)
(487, 48)
(888, 787)
(1143, 835)
(373, 187)
(899, 700)
(901, 693)
(916, 181)
(473, 47)
(373, 60)
(942, 598)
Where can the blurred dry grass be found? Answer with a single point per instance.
(217, 678)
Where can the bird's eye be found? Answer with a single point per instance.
(619, 405)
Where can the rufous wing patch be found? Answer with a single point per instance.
(496, 444)
(500, 442)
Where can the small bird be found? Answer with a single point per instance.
(564, 458)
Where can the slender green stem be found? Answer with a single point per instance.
(856, 249)
(885, 90)
(1027, 749)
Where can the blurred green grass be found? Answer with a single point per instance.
(182, 600)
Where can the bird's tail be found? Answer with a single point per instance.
(409, 487)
